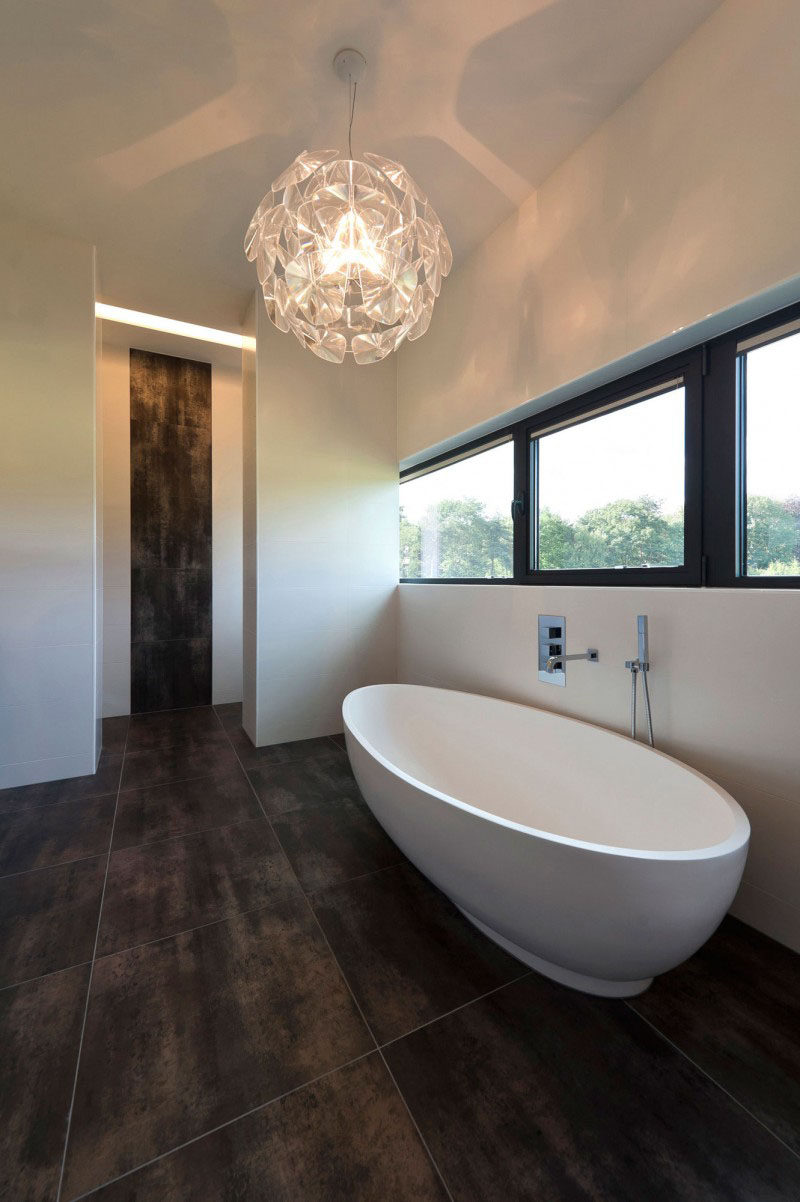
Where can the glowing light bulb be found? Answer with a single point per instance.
(352, 247)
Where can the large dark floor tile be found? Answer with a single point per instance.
(280, 753)
(173, 728)
(48, 919)
(40, 1025)
(190, 1032)
(105, 780)
(165, 764)
(536, 1092)
(405, 949)
(54, 834)
(301, 783)
(334, 842)
(170, 886)
(347, 1138)
(183, 806)
(115, 732)
(734, 1008)
(230, 714)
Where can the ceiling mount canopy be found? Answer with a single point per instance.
(350, 253)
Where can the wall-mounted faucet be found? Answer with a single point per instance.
(640, 667)
(552, 650)
(555, 661)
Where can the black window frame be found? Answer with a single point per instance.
(724, 484)
(714, 470)
(466, 450)
(621, 394)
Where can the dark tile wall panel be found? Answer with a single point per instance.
(170, 675)
(170, 532)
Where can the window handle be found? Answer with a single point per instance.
(518, 506)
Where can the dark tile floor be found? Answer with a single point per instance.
(220, 980)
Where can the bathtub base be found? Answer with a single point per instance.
(564, 976)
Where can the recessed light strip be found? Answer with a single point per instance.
(150, 321)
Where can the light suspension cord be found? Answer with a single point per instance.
(353, 86)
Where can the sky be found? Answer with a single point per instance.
(637, 451)
(628, 453)
(773, 419)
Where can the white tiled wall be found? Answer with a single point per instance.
(321, 537)
(48, 542)
(726, 699)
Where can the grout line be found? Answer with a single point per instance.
(709, 1077)
(228, 1123)
(422, 1138)
(348, 986)
(54, 973)
(51, 805)
(89, 984)
(200, 830)
(528, 972)
(98, 855)
(350, 879)
(200, 926)
(162, 784)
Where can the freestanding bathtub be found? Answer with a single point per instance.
(593, 859)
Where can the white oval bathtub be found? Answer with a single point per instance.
(593, 859)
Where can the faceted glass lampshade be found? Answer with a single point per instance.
(350, 255)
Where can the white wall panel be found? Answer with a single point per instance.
(48, 540)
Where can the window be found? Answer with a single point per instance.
(610, 489)
(685, 473)
(455, 519)
(768, 376)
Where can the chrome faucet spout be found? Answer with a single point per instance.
(555, 661)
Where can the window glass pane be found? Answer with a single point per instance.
(772, 459)
(455, 521)
(611, 489)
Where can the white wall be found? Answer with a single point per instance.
(114, 384)
(48, 541)
(725, 690)
(98, 558)
(250, 448)
(681, 204)
(321, 537)
(226, 508)
(226, 531)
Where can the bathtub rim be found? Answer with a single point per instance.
(738, 839)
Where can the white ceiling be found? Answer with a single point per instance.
(153, 127)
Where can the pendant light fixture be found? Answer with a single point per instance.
(350, 253)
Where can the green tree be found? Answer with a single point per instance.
(460, 540)
(792, 506)
(629, 533)
(771, 535)
(556, 541)
(784, 568)
(410, 548)
(456, 538)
